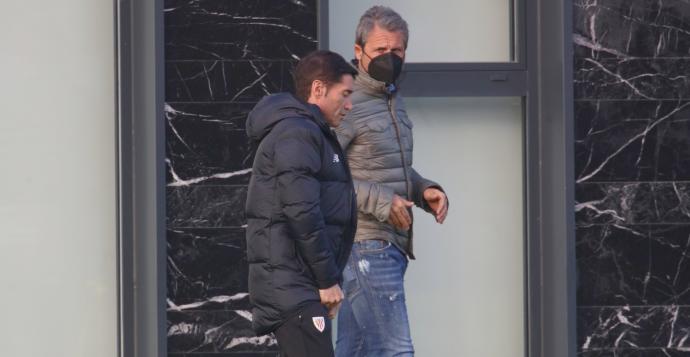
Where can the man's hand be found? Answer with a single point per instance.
(399, 215)
(331, 296)
(438, 202)
(333, 311)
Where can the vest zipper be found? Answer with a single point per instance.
(394, 119)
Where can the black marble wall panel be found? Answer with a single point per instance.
(221, 58)
(632, 159)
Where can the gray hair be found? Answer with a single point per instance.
(384, 17)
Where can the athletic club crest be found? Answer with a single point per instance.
(319, 323)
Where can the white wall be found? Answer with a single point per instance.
(440, 30)
(57, 180)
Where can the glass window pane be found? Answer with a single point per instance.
(465, 291)
(440, 31)
(58, 197)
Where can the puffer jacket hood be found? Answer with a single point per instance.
(272, 109)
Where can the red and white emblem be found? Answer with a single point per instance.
(319, 323)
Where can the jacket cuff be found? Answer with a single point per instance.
(326, 274)
(325, 284)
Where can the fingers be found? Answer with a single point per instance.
(392, 219)
(434, 198)
(441, 203)
(399, 202)
(402, 217)
(399, 215)
(331, 296)
(438, 202)
(333, 310)
(395, 220)
(338, 295)
(442, 216)
(442, 208)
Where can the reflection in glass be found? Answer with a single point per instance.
(440, 31)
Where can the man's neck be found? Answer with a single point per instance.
(367, 81)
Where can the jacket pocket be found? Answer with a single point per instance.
(350, 281)
(378, 125)
(372, 246)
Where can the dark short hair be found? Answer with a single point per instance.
(326, 66)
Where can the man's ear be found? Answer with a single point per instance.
(318, 90)
(358, 52)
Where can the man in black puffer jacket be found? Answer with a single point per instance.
(301, 207)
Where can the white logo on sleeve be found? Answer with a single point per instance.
(319, 323)
(336, 158)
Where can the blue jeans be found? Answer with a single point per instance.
(372, 321)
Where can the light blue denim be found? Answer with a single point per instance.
(372, 321)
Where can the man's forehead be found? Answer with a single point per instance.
(346, 81)
(384, 37)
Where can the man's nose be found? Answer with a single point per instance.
(348, 104)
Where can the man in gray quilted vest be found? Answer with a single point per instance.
(377, 136)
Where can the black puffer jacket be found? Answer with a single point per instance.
(301, 209)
